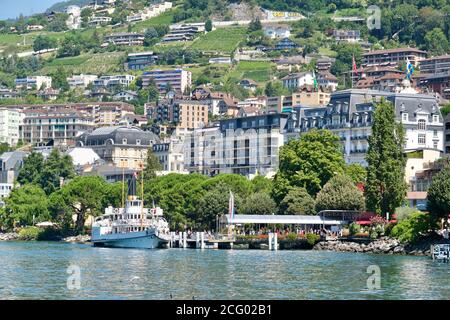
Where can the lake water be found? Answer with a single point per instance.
(38, 270)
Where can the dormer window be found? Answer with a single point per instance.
(404, 117)
(435, 118)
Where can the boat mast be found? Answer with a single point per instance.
(123, 187)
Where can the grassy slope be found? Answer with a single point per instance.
(256, 70)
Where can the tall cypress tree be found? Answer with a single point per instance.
(386, 186)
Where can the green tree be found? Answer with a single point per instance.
(59, 79)
(214, 203)
(24, 203)
(255, 25)
(152, 165)
(82, 196)
(297, 201)
(258, 203)
(340, 193)
(31, 169)
(56, 168)
(43, 42)
(274, 89)
(439, 195)
(4, 147)
(386, 186)
(308, 162)
(436, 42)
(208, 25)
(356, 172)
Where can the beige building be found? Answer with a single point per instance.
(122, 146)
(310, 97)
(192, 114)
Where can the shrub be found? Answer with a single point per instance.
(292, 236)
(373, 234)
(312, 238)
(403, 213)
(354, 228)
(29, 233)
(413, 228)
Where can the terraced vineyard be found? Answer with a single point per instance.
(100, 63)
(222, 40)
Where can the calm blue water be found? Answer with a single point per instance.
(37, 270)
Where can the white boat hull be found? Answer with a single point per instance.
(140, 240)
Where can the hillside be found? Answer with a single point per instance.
(60, 6)
(85, 50)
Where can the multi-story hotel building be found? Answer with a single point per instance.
(177, 79)
(58, 126)
(123, 146)
(244, 146)
(393, 56)
(10, 121)
(350, 115)
(102, 113)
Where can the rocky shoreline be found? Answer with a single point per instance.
(9, 236)
(380, 246)
(13, 236)
(77, 239)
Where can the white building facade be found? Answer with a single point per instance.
(10, 122)
(350, 115)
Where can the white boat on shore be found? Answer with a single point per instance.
(132, 226)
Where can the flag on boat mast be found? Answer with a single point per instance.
(231, 205)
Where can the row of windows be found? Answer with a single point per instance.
(422, 122)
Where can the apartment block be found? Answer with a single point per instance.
(125, 39)
(60, 127)
(81, 81)
(435, 65)
(176, 79)
(10, 121)
(34, 82)
(393, 56)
